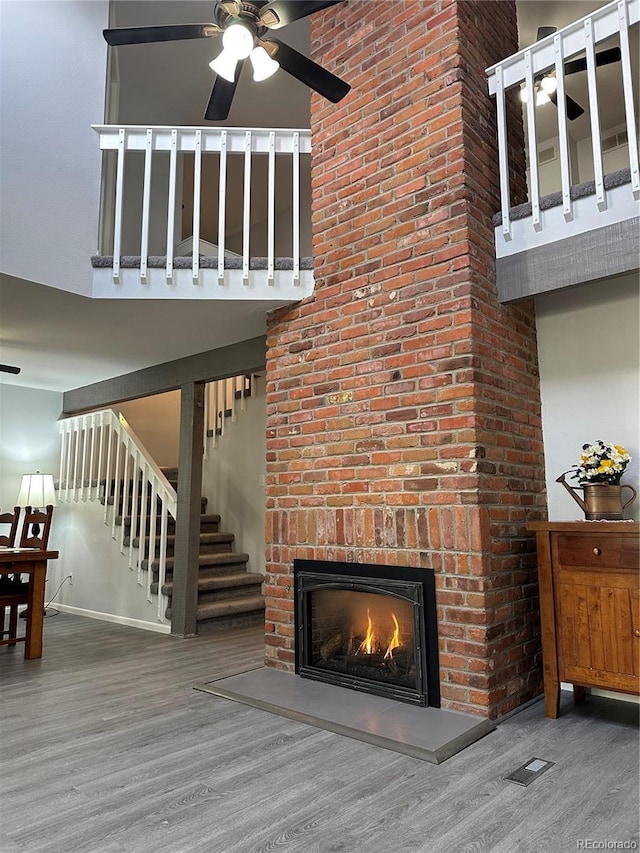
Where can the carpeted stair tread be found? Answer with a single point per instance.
(230, 607)
(217, 558)
(206, 539)
(217, 583)
(207, 519)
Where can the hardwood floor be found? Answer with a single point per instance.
(107, 748)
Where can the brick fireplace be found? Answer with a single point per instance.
(403, 413)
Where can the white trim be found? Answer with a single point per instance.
(283, 289)
(621, 206)
(110, 617)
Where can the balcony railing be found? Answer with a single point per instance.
(201, 204)
(603, 201)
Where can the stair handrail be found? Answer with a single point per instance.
(88, 457)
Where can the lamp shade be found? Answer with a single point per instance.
(263, 65)
(37, 491)
(225, 65)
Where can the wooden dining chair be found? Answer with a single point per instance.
(8, 531)
(9, 527)
(36, 526)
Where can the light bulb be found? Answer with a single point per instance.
(524, 94)
(549, 84)
(542, 98)
(225, 65)
(238, 40)
(263, 65)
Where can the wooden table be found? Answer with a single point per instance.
(32, 562)
(589, 606)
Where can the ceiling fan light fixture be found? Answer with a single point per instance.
(263, 65)
(225, 65)
(238, 40)
(541, 96)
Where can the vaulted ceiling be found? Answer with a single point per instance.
(64, 341)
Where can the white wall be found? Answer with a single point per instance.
(103, 584)
(50, 162)
(589, 353)
(233, 479)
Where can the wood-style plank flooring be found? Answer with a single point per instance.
(107, 748)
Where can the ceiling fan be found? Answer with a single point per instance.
(546, 83)
(244, 27)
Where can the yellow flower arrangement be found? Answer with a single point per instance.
(601, 463)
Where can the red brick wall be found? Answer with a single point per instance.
(402, 399)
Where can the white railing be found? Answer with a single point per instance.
(157, 157)
(550, 54)
(223, 399)
(102, 459)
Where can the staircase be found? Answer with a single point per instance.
(228, 594)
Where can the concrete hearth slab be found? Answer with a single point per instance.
(431, 734)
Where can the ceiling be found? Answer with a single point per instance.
(62, 340)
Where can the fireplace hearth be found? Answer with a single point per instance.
(369, 628)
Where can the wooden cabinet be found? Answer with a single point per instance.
(589, 606)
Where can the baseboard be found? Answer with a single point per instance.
(110, 617)
(607, 694)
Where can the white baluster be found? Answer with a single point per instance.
(117, 228)
(503, 155)
(222, 205)
(627, 85)
(146, 206)
(197, 182)
(295, 163)
(534, 189)
(171, 204)
(246, 214)
(271, 208)
(598, 170)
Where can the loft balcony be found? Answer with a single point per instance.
(580, 222)
(204, 213)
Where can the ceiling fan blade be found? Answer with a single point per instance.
(279, 13)
(574, 110)
(603, 57)
(543, 32)
(222, 96)
(9, 368)
(309, 72)
(171, 32)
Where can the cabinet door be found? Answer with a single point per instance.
(598, 621)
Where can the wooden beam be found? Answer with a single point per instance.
(600, 253)
(184, 599)
(243, 357)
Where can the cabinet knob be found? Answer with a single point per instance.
(636, 633)
(597, 551)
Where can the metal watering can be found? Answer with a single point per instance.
(602, 501)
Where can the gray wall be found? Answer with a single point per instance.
(29, 437)
(589, 375)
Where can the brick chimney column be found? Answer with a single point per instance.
(403, 409)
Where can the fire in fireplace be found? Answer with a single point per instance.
(368, 628)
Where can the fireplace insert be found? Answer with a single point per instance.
(368, 628)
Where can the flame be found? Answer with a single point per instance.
(366, 645)
(370, 644)
(395, 640)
